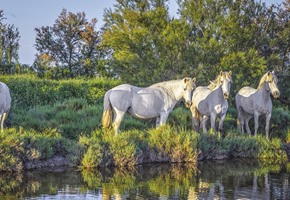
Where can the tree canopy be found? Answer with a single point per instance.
(69, 48)
(142, 43)
(9, 46)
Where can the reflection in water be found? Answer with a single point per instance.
(210, 180)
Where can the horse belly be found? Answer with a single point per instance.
(203, 108)
(145, 107)
(247, 105)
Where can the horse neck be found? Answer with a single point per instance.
(219, 92)
(263, 93)
(170, 88)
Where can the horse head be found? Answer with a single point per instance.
(188, 87)
(225, 81)
(272, 81)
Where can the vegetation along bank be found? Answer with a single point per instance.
(51, 124)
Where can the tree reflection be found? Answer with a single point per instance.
(209, 180)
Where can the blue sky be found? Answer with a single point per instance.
(29, 14)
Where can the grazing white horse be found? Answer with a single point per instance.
(211, 101)
(5, 103)
(155, 101)
(252, 102)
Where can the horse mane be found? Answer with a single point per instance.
(217, 81)
(264, 77)
(214, 83)
(164, 85)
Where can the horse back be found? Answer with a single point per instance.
(121, 96)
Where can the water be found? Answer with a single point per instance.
(234, 179)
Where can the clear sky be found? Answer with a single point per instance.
(26, 15)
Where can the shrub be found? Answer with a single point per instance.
(176, 143)
(20, 146)
(28, 91)
(270, 151)
(180, 117)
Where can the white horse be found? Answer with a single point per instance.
(252, 102)
(211, 101)
(155, 101)
(5, 103)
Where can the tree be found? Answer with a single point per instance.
(244, 36)
(70, 46)
(147, 44)
(9, 46)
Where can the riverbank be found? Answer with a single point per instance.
(26, 150)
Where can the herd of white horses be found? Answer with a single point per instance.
(158, 100)
(205, 102)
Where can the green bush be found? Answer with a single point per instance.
(280, 123)
(180, 117)
(20, 146)
(176, 143)
(271, 151)
(28, 91)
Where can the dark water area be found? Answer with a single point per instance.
(235, 179)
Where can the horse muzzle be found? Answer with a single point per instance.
(188, 104)
(226, 95)
(276, 94)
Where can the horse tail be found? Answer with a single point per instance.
(107, 112)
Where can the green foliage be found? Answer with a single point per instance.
(280, 122)
(72, 118)
(69, 48)
(244, 64)
(9, 46)
(21, 146)
(176, 143)
(271, 151)
(11, 151)
(180, 117)
(29, 91)
(164, 144)
(148, 46)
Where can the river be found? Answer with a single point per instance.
(234, 179)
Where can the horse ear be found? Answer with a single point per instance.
(269, 73)
(185, 79)
(221, 73)
(230, 73)
(193, 79)
(273, 72)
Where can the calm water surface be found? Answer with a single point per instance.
(209, 180)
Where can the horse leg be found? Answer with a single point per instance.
(195, 124)
(157, 121)
(268, 117)
(195, 118)
(163, 118)
(240, 120)
(221, 123)
(212, 121)
(203, 123)
(3, 120)
(119, 115)
(256, 118)
(248, 118)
